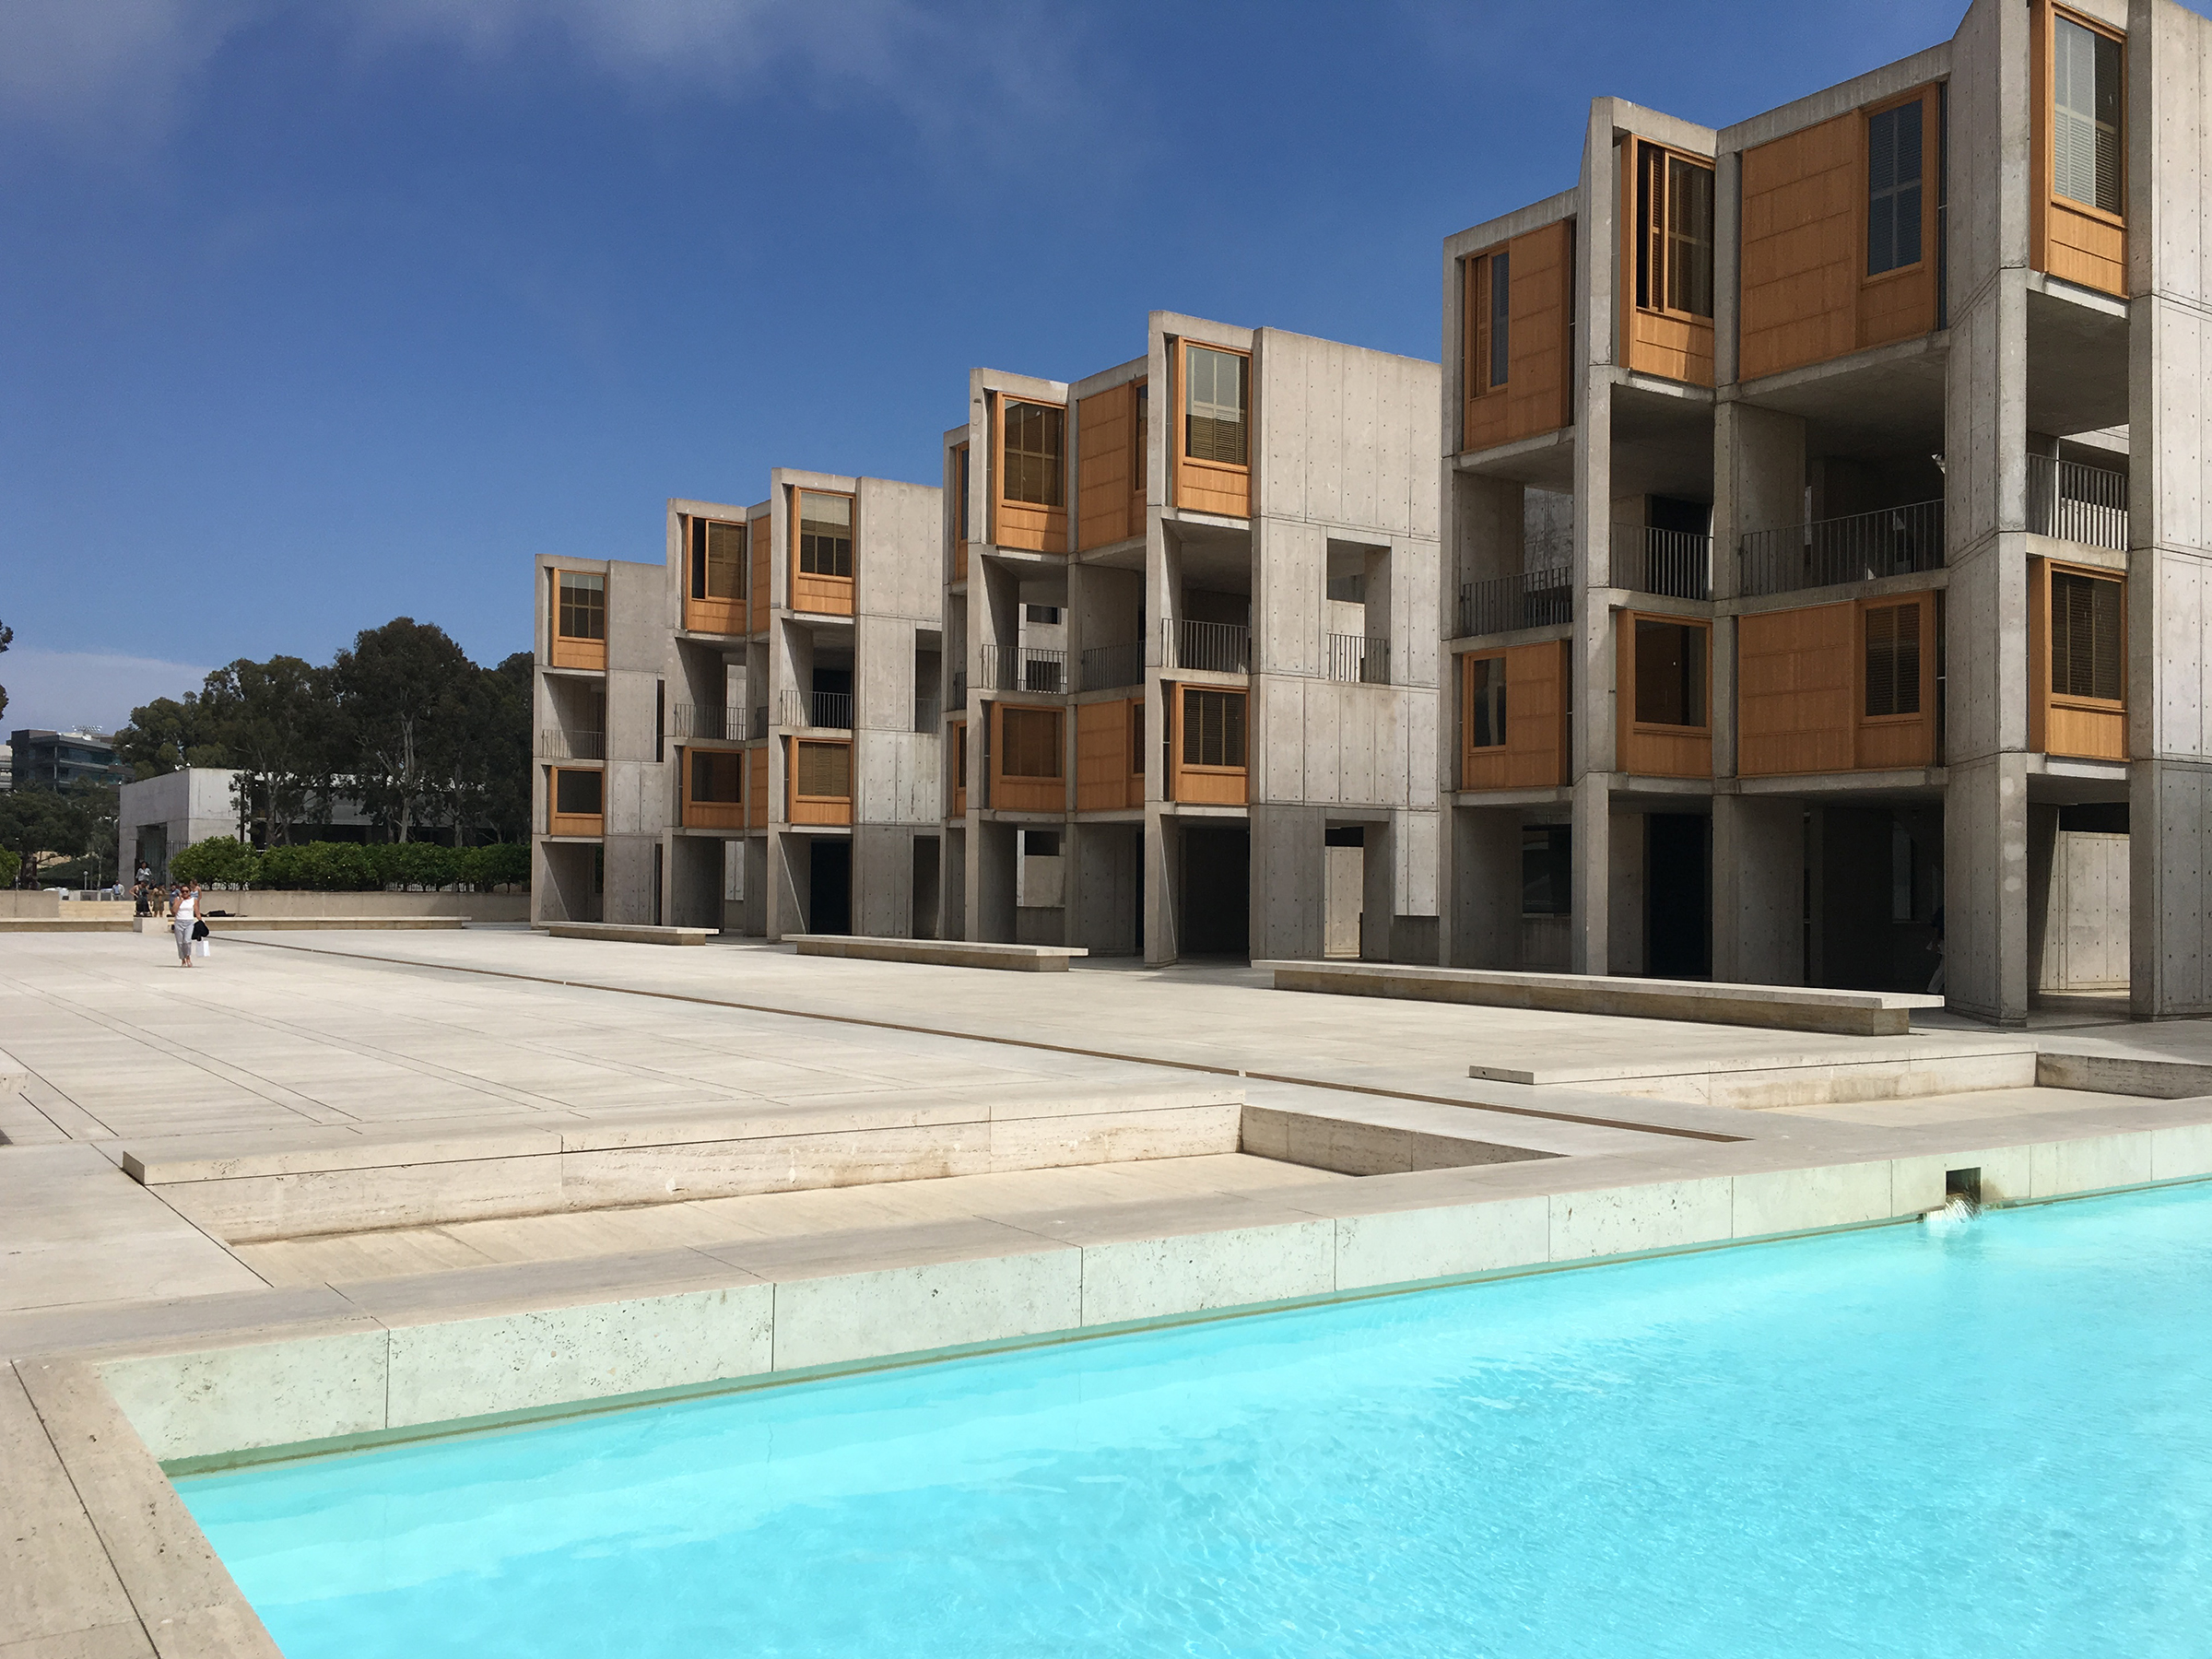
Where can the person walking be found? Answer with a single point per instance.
(188, 915)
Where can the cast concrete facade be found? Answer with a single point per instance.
(750, 735)
(1827, 563)
(1187, 659)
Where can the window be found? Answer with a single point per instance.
(1047, 615)
(1893, 152)
(1213, 404)
(1670, 673)
(1041, 843)
(2085, 637)
(1034, 445)
(959, 508)
(959, 754)
(1892, 660)
(1674, 247)
(825, 533)
(1141, 456)
(577, 794)
(583, 607)
(1486, 702)
(1490, 296)
(824, 770)
(1213, 728)
(715, 774)
(717, 560)
(1136, 738)
(2085, 117)
(1029, 743)
(1546, 871)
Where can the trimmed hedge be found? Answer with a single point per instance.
(352, 867)
(11, 866)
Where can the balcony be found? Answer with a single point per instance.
(717, 724)
(1025, 668)
(1540, 598)
(929, 715)
(1864, 547)
(2086, 504)
(818, 710)
(1360, 659)
(1209, 647)
(1676, 564)
(558, 745)
(1107, 667)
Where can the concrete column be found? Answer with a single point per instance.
(1378, 891)
(1164, 881)
(1588, 926)
(1985, 888)
(789, 861)
(1290, 881)
(1758, 890)
(883, 880)
(753, 850)
(992, 903)
(1484, 923)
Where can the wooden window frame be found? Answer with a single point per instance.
(2042, 195)
(1923, 656)
(1193, 781)
(1929, 97)
(1640, 233)
(1025, 525)
(958, 463)
(959, 767)
(705, 612)
(2047, 705)
(576, 651)
(1221, 488)
(1477, 320)
(709, 815)
(811, 592)
(1531, 752)
(1650, 747)
(1466, 699)
(574, 823)
(757, 795)
(815, 809)
(1024, 792)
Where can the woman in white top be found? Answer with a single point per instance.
(188, 911)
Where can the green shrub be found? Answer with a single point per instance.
(503, 863)
(11, 866)
(220, 860)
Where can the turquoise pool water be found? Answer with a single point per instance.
(1992, 1441)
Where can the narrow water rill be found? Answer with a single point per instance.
(1709, 1455)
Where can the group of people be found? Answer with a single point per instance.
(179, 901)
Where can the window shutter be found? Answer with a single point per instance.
(824, 770)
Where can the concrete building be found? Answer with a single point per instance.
(745, 735)
(159, 816)
(56, 759)
(1190, 683)
(1827, 550)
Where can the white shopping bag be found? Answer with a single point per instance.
(199, 947)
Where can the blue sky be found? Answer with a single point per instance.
(315, 313)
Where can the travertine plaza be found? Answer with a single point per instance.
(1274, 824)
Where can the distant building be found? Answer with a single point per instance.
(159, 816)
(55, 760)
(7, 766)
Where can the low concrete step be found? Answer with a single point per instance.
(1775, 1007)
(630, 933)
(942, 953)
(1911, 1069)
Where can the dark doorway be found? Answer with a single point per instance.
(830, 887)
(1217, 891)
(1678, 885)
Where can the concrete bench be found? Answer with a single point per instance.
(944, 953)
(216, 925)
(1776, 1007)
(627, 932)
(65, 925)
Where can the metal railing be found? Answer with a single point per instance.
(1363, 659)
(1025, 668)
(2087, 504)
(703, 720)
(1674, 562)
(1895, 541)
(929, 715)
(1106, 666)
(557, 745)
(829, 711)
(1542, 599)
(1209, 647)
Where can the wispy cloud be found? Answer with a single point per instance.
(56, 691)
(122, 71)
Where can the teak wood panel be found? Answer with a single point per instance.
(1110, 504)
(1025, 794)
(1537, 396)
(707, 815)
(756, 788)
(1804, 295)
(1211, 486)
(1795, 690)
(1108, 777)
(821, 595)
(1533, 754)
(2086, 729)
(2069, 239)
(1658, 751)
(572, 823)
(813, 809)
(1204, 786)
(1885, 742)
(1024, 524)
(957, 738)
(1670, 344)
(759, 558)
(959, 562)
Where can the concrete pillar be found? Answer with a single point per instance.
(788, 866)
(1163, 886)
(1290, 881)
(1378, 891)
(992, 903)
(1588, 924)
(1985, 888)
(753, 850)
(1758, 890)
(883, 880)
(1485, 921)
